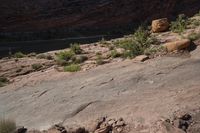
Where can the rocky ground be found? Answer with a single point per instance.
(158, 93)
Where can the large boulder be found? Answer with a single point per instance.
(177, 45)
(160, 25)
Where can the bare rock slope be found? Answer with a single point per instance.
(141, 93)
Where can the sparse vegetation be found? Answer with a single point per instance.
(136, 44)
(180, 24)
(154, 49)
(80, 59)
(19, 55)
(3, 81)
(76, 48)
(98, 54)
(115, 54)
(99, 60)
(7, 126)
(44, 56)
(65, 55)
(72, 68)
(196, 22)
(61, 62)
(194, 36)
(36, 66)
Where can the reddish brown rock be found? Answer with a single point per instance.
(177, 45)
(160, 25)
(141, 58)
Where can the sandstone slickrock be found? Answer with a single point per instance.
(160, 25)
(141, 58)
(177, 45)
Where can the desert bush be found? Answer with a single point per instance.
(65, 55)
(154, 49)
(3, 81)
(36, 66)
(76, 48)
(80, 59)
(136, 44)
(44, 56)
(19, 55)
(7, 126)
(196, 22)
(99, 60)
(72, 68)
(115, 54)
(61, 62)
(194, 36)
(180, 24)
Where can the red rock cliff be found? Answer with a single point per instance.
(34, 15)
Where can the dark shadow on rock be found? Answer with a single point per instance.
(192, 47)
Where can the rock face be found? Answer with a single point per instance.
(177, 45)
(37, 15)
(160, 25)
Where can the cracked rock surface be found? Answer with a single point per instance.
(140, 93)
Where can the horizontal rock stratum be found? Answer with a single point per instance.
(36, 15)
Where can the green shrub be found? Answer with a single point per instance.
(19, 55)
(3, 81)
(194, 36)
(196, 22)
(36, 66)
(154, 49)
(72, 68)
(66, 55)
(76, 48)
(80, 59)
(115, 54)
(7, 126)
(44, 56)
(137, 44)
(99, 60)
(61, 62)
(180, 24)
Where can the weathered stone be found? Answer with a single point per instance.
(21, 130)
(111, 122)
(120, 123)
(177, 45)
(141, 58)
(160, 25)
(166, 127)
(104, 129)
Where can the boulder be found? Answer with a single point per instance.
(160, 25)
(141, 58)
(177, 45)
